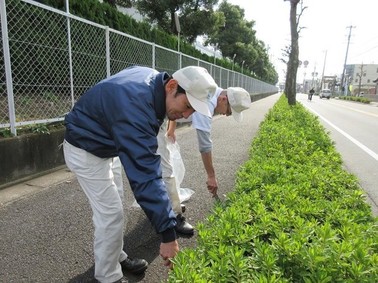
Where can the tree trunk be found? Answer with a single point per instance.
(292, 65)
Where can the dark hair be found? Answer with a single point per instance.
(180, 89)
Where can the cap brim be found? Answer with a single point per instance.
(198, 105)
(237, 116)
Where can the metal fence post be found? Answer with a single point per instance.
(107, 48)
(153, 55)
(70, 51)
(8, 69)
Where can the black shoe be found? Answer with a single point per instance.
(121, 281)
(183, 227)
(135, 266)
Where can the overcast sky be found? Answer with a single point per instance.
(324, 36)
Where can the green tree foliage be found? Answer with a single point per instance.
(123, 3)
(237, 36)
(34, 46)
(225, 27)
(236, 31)
(197, 17)
(197, 20)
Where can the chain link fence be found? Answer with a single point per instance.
(49, 58)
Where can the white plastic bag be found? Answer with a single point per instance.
(179, 171)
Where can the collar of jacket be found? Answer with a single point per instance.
(159, 96)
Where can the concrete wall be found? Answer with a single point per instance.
(29, 156)
(258, 96)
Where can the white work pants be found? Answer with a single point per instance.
(101, 181)
(167, 168)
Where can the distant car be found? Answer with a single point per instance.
(325, 93)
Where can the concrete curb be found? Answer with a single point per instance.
(34, 185)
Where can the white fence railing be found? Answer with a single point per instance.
(49, 58)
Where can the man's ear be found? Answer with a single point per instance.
(171, 86)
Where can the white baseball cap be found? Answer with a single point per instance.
(239, 100)
(198, 85)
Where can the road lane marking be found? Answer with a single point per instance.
(349, 137)
(356, 110)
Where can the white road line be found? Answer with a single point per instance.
(353, 140)
(355, 110)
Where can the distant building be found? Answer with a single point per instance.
(361, 77)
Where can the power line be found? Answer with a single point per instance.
(369, 40)
(366, 51)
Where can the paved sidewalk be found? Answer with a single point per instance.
(46, 226)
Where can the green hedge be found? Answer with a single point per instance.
(356, 98)
(295, 215)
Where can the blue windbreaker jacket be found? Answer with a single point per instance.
(121, 116)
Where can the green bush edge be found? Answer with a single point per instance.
(295, 214)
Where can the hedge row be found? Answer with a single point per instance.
(356, 98)
(295, 215)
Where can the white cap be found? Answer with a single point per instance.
(198, 85)
(239, 100)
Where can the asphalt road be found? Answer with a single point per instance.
(354, 129)
(46, 227)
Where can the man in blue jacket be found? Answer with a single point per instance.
(115, 123)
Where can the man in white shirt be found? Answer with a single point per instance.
(231, 101)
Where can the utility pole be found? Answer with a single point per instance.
(305, 64)
(346, 57)
(314, 75)
(324, 64)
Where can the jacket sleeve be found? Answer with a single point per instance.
(134, 127)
